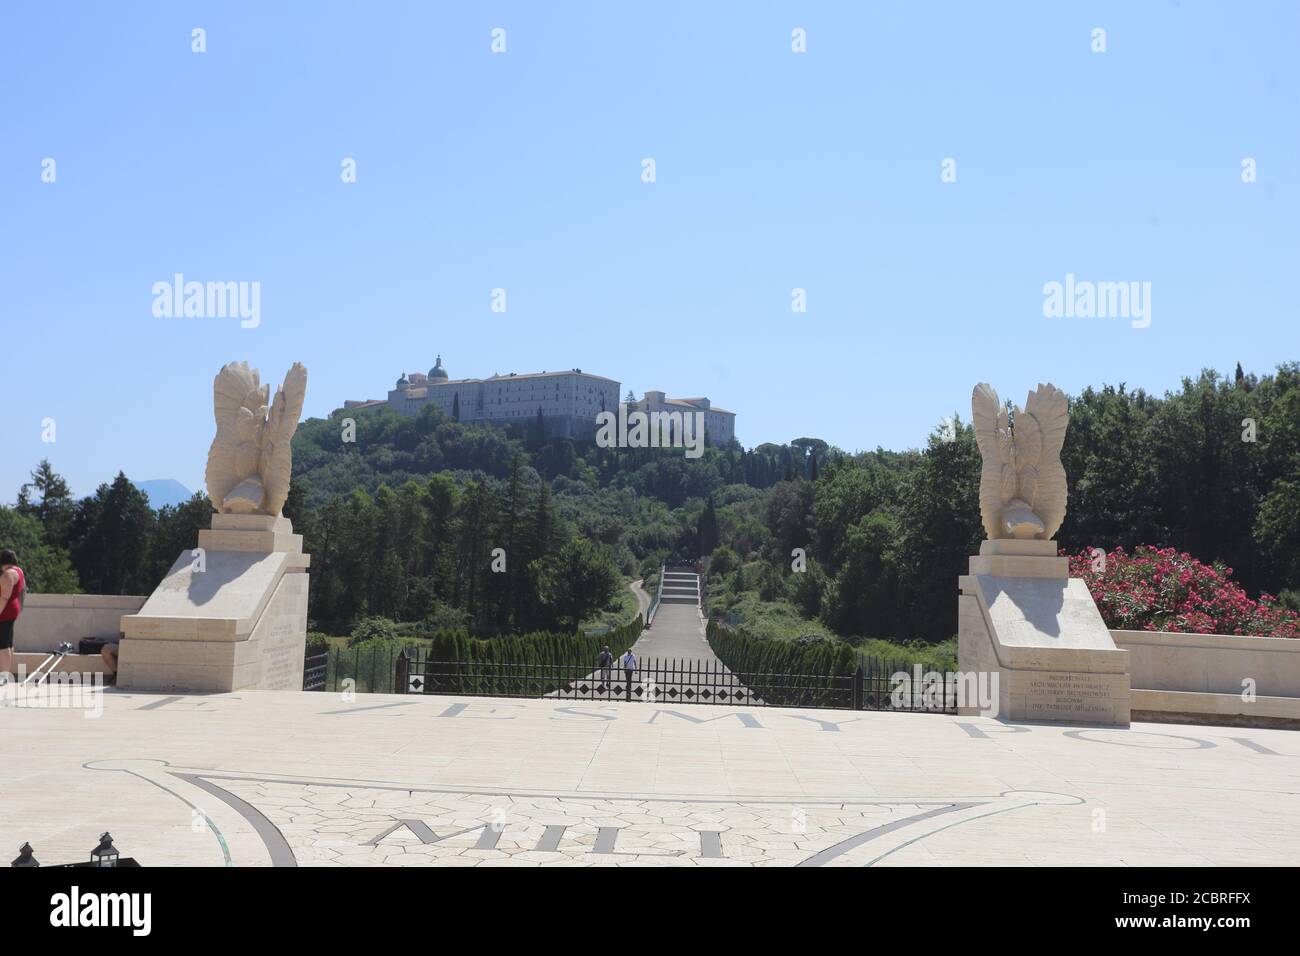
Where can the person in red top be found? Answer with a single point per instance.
(13, 586)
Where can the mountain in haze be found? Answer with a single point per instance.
(164, 491)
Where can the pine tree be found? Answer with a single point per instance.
(473, 547)
(539, 433)
(110, 534)
(440, 503)
(176, 533)
(388, 586)
(55, 508)
(511, 538)
(707, 530)
(543, 521)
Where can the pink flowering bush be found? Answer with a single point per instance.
(1156, 589)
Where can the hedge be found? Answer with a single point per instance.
(743, 653)
(815, 673)
(538, 647)
(515, 665)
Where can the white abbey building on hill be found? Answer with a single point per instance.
(569, 401)
(719, 424)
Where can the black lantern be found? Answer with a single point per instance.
(25, 857)
(105, 854)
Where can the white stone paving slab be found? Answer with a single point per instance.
(311, 779)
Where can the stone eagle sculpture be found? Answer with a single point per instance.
(1022, 483)
(250, 459)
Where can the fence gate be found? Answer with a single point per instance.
(314, 669)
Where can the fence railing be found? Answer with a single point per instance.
(655, 680)
(874, 685)
(369, 669)
(654, 604)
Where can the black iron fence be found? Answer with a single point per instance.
(654, 680)
(875, 685)
(898, 685)
(364, 669)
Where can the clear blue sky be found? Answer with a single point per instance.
(775, 170)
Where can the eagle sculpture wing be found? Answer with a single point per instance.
(1040, 434)
(997, 476)
(277, 458)
(239, 408)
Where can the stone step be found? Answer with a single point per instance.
(68, 664)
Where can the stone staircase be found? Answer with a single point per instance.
(680, 587)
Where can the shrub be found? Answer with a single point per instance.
(1160, 589)
(808, 588)
(723, 561)
(746, 654)
(649, 571)
(372, 628)
(539, 647)
(810, 671)
(441, 617)
(771, 584)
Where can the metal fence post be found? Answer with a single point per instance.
(857, 688)
(400, 681)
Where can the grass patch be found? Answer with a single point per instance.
(781, 621)
(938, 657)
(775, 620)
(622, 609)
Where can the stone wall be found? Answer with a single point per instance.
(1212, 663)
(1202, 677)
(49, 619)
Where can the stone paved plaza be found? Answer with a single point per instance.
(270, 778)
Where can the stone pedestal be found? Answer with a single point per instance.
(1021, 616)
(231, 615)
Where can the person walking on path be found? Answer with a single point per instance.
(605, 661)
(13, 587)
(629, 669)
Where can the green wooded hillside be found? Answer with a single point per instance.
(405, 521)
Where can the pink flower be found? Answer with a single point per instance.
(1163, 589)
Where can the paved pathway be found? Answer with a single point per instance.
(637, 587)
(261, 778)
(676, 663)
(678, 632)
